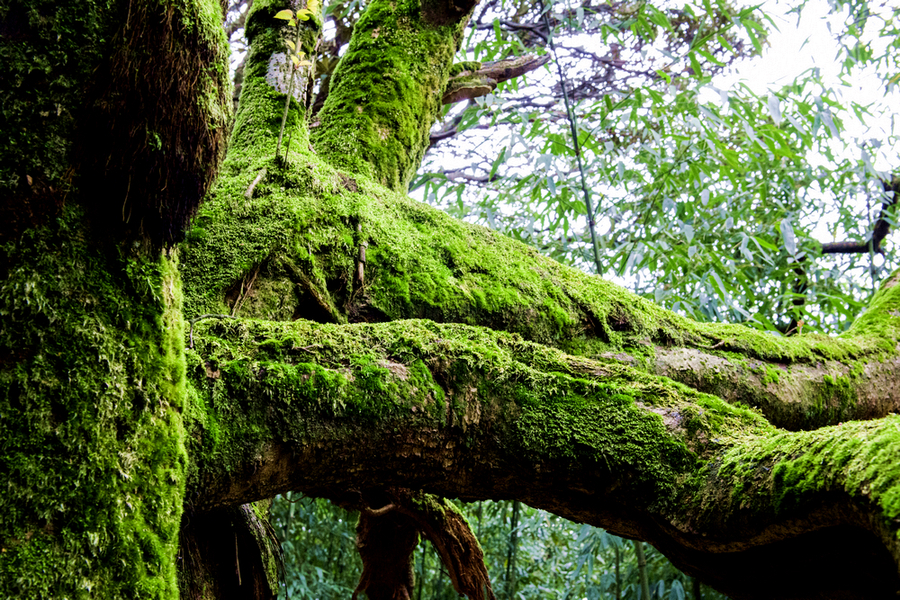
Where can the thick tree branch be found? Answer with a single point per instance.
(422, 263)
(385, 93)
(466, 412)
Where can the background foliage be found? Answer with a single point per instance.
(530, 554)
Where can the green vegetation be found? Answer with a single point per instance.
(317, 332)
(93, 441)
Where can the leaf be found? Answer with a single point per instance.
(829, 122)
(497, 162)
(775, 108)
(304, 14)
(290, 45)
(787, 234)
(286, 14)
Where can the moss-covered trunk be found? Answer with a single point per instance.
(97, 176)
(344, 341)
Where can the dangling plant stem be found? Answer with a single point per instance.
(570, 113)
(290, 93)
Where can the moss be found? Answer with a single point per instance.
(420, 263)
(92, 383)
(386, 93)
(788, 473)
(263, 91)
(470, 65)
(608, 428)
(305, 383)
(771, 375)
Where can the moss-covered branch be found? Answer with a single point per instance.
(294, 251)
(387, 89)
(465, 411)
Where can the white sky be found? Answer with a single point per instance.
(798, 46)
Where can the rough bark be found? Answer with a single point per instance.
(368, 343)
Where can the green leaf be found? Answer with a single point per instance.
(497, 162)
(775, 108)
(286, 14)
(787, 234)
(677, 591)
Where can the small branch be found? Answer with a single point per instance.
(879, 232)
(377, 512)
(472, 84)
(307, 348)
(249, 193)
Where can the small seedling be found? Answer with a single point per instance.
(296, 55)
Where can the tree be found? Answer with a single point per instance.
(319, 332)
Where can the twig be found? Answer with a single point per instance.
(237, 562)
(377, 512)
(249, 193)
(244, 292)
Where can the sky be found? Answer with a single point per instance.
(807, 43)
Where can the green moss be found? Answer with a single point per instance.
(610, 429)
(92, 386)
(306, 383)
(787, 473)
(470, 65)
(386, 93)
(772, 375)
